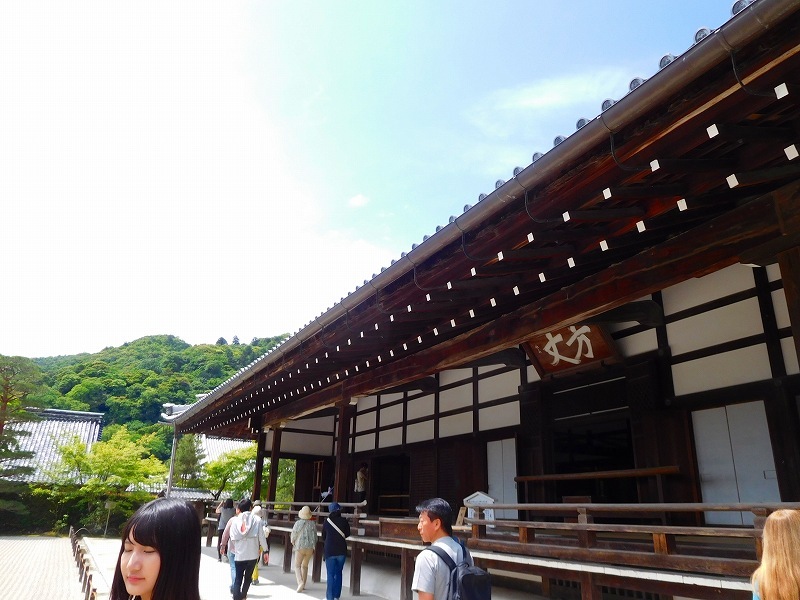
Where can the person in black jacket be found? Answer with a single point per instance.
(334, 533)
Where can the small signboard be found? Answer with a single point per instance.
(571, 348)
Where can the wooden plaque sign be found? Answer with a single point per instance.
(570, 348)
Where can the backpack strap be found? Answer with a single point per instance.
(443, 555)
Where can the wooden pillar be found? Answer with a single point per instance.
(589, 589)
(406, 573)
(789, 262)
(316, 569)
(274, 457)
(356, 558)
(261, 441)
(340, 485)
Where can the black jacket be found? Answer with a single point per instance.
(335, 544)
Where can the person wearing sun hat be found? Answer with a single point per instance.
(334, 535)
(304, 539)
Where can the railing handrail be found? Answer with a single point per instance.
(660, 507)
(614, 474)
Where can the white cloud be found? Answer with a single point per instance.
(146, 191)
(538, 107)
(358, 201)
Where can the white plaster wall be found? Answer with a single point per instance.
(391, 437)
(419, 432)
(638, 343)
(533, 374)
(773, 272)
(365, 443)
(391, 415)
(724, 324)
(421, 407)
(790, 356)
(455, 425)
(454, 398)
(499, 386)
(325, 424)
(454, 375)
(694, 292)
(722, 370)
(367, 402)
(365, 421)
(306, 443)
(781, 309)
(496, 417)
(390, 397)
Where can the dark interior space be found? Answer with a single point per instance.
(587, 445)
(388, 488)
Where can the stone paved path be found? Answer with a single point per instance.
(34, 567)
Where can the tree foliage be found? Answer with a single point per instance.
(233, 472)
(189, 458)
(131, 383)
(19, 380)
(102, 480)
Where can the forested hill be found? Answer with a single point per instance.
(132, 382)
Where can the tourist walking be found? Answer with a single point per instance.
(247, 533)
(304, 539)
(431, 575)
(335, 532)
(226, 511)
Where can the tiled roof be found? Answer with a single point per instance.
(190, 494)
(54, 427)
(214, 447)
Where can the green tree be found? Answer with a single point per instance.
(107, 479)
(19, 379)
(189, 457)
(233, 472)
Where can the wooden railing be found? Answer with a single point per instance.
(280, 513)
(655, 473)
(724, 551)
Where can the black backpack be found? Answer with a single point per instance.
(466, 582)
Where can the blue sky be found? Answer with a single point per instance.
(235, 168)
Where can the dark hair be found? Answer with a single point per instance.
(438, 508)
(228, 503)
(363, 464)
(172, 527)
(244, 505)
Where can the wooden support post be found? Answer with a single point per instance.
(586, 539)
(340, 485)
(356, 558)
(316, 570)
(274, 457)
(406, 574)
(663, 543)
(287, 554)
(261, 442)
(589, 589)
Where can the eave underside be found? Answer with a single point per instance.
(608, 229)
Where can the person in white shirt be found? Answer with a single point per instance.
(248, 535)
(431, 575)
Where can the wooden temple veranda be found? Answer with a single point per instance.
(605, 342)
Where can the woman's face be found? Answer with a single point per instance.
(139, 566)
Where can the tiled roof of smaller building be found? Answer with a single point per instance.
(214, 447)
(54, 427)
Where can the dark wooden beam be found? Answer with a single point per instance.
(711, 246)
(644, 312)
